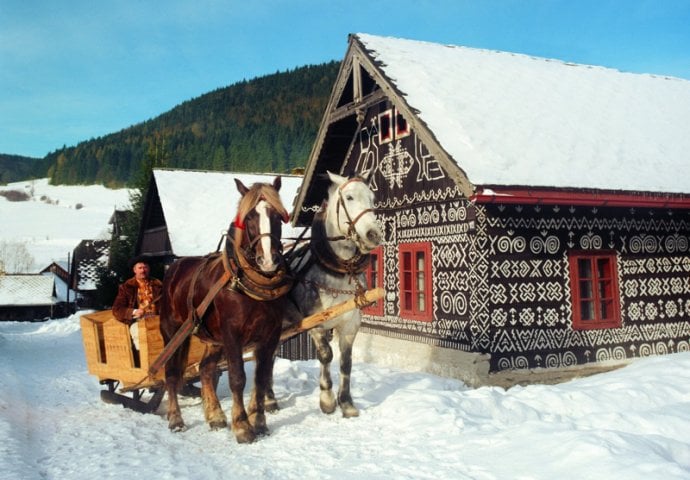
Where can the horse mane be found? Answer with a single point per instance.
(256, 193)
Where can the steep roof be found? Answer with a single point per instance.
(87, 257)
(511, 119)
(198, 206)
(26, 290)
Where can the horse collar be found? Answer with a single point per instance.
(247, 279)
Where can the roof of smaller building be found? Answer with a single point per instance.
(89, 255)
(512, 119)
(26, 290)
(198, 206)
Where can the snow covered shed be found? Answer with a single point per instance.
(27, 297)
(536, 212)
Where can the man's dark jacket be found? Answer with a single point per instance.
(127, 301)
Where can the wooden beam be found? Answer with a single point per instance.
(351, 108)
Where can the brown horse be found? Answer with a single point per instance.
(249, 276)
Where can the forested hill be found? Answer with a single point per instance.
(267, 124)
(14, 168)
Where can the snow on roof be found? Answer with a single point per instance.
(198, 206)
(511, 119)
(25, 290)
(89, 257)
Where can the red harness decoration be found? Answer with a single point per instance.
(238, 222)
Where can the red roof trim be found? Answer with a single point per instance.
(597, 199)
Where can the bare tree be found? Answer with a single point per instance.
(15, 257)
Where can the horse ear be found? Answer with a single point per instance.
(337, 179)
(277, 183)
(240, 187)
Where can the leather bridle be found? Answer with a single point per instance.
(351, 234)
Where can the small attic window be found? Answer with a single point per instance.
(402, 128)
(385, 126)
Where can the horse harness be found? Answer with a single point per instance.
(325, 257)
(239, 275)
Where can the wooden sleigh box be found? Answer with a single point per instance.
(110, 354)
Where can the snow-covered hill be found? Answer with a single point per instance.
(57, 218)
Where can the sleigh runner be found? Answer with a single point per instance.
(126, 372)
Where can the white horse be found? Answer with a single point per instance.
(330, 270)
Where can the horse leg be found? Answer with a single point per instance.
(244, 433)
(325, 356)
(173, 377)
(262, 378)
(208, 372)
(347, 406)
(270, 402)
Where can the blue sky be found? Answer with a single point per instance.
(72, 70)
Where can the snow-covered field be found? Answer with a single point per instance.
(631, 423)
(57, 218)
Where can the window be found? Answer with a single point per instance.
(415, 281)
(374, 275)
(391, 122)
(402, 129)
(594, 287)
(385, 126)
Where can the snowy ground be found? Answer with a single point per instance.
(57, 218)
(631, 423)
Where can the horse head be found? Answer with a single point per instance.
(351, 206)
(258, 225)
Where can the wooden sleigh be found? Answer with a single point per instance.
(126, 372)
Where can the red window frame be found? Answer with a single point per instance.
(594, 289)
(374, 276)
(415, 281)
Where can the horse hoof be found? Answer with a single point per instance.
(245, 436)
(327, 408)
(349, 411)
(177, 427)
(271, 406)
(327, 402)
(218, 424)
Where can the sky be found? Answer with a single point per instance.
(630, 423)
(75, 70)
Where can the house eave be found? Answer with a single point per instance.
(593, 198)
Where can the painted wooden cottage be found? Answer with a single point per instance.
(536, 212)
